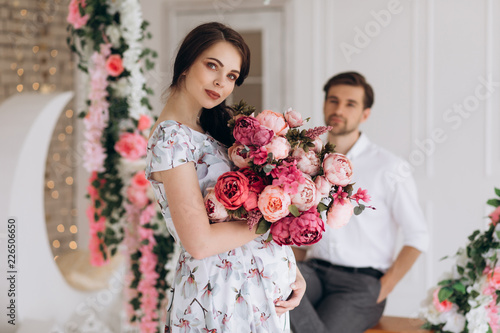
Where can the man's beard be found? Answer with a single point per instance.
(339, 129)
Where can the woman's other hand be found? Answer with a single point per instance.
(298, 290)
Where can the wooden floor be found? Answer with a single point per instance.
(398, 325)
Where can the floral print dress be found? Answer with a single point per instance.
(234, 291)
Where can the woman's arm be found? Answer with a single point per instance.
(200, 238)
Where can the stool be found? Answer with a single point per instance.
(389, 324)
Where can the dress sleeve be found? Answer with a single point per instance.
(169, 147)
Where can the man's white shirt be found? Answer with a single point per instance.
(370, 239)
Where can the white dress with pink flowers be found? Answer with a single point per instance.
(233, 291)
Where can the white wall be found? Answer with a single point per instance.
(429, 56)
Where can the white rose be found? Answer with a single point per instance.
(114, 35)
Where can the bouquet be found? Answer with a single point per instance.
(468, 299)
(282, 174)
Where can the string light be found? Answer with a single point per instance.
(69, 180)
(53, 53)
(50, 184)
(61, 137)
(36, 85)
(55, 194)
(69, 129)
(73, 245)
(20, 71)
(56, 244)
(19, 87)
(35, 49)
(73, 229)
(69, 113)
(24, 12)
(60, 228)
(52, 70)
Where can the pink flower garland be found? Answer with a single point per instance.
(96, 226)
(97, 117)
(147, 267)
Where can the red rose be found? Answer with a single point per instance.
(231, 189)
(307, 229)
(256, 183)
(280, 231)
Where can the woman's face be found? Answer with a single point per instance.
(212, 76)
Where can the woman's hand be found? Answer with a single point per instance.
(298, 290)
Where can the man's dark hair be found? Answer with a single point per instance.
(352, 79)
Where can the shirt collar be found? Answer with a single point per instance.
(361, 144)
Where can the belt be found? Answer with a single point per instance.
(362, 270)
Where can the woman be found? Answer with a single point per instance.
(228, 278)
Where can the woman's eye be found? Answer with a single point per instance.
(211, 65)
(232, 77)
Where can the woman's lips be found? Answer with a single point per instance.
(212, 94)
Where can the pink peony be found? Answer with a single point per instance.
(443, 306)
(137, 197)
(305, 197)
(323, 186)
(307, 229)
(231, 189)
(337, 169)
(293, 118)
(248, 131)
(279, 147)
(215, 210)
(144, 122)
(74, 16)
(131, 146)
(259, 155)
(114, 65)
(318, 145)
(280, 231)
(339, 215)
(495, 216)
(494, 278)
(239, 159)
(273, 203)
(274, 121)
(288, 176)
(340, 197)
(361, 195)
(309, 162)
(139, 180)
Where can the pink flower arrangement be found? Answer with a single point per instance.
(274, 185)
(443, 306)
(74, 16)
(144, 122)
(131, 146)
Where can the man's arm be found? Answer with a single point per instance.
(405, 260)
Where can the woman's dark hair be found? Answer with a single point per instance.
(352, 79)
(196, 42)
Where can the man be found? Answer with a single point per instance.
(350, 272)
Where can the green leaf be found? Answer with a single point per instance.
(460, 270)
(263, 227)
(497, 191)
(268, 168)
(458, 286)
(322, 207)
(294, 210)
(444, 293)
(493, 202)
(358, 209)
(498, 234)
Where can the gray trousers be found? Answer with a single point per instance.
(336, 301)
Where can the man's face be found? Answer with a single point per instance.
(344, 109)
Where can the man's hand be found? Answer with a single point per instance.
(406, 258)
(298, 290)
